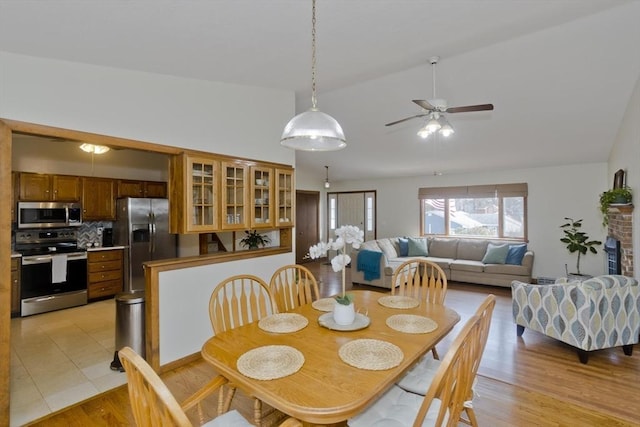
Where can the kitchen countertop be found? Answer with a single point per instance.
(105, 248)
(15, 255)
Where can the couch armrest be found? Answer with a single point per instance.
(527, 260)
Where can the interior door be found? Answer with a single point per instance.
(307, 222)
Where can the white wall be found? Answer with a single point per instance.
(626, 155)
(554, 193)
(210, 116)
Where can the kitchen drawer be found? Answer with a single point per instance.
(102, 276)
(104, 256)
(95, 267)
(103, 289)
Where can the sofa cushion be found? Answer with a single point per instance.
(403, 244)
(496, 254)
(443, 263)
(417, 246)
(387, 248)
(517, 270)
(371, 245)
(473, 250)
(443, 248)
(467, 265)
(515, 254)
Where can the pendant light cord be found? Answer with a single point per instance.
(313, 54)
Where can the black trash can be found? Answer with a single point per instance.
(129, 325)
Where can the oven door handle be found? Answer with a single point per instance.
(36, 260)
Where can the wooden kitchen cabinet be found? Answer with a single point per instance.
(235, 209)
(261, 200)
(285, 198)
(104, 271)
(131, 188)
(195, 201)
(15, 286)
(42, 187)
(13, 197)
(98, 199)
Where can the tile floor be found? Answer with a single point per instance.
(60, 358)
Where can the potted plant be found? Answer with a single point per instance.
(620, 195)
(253, 239)
(343, 311)
(577, 241)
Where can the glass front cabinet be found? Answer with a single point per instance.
(261, 197)
(235, 209)
(202, 190)
(285, 198)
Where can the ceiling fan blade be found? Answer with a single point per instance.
(405, 119)
(424, 104)
(468, 108)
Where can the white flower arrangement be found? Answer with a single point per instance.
(345, 235)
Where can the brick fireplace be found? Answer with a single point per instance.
(621, 228)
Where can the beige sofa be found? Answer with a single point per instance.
(460, 258)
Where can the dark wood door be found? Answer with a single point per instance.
(307, 224)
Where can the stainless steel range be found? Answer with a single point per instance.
(54, 270)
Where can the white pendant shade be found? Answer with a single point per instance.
(313, 130)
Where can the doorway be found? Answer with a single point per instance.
(307, 223)
(352, 208)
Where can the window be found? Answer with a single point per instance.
(496, 211)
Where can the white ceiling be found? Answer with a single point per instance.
(559, 72)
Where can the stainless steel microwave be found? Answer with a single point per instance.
(49, 214)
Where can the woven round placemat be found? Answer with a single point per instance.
(270, 362)
(398, 301)
(283, 323)
(324, 304)
(411, 323)
(373, 355)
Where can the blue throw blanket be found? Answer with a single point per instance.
(369, 263)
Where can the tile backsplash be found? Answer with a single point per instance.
(88, 232)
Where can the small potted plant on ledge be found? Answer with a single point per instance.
(620, 195)
(577, 241)
(253, 239)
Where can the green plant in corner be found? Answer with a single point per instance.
(577, 241)
(253, 239)
(620, 195)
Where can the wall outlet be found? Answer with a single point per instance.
(99, 231)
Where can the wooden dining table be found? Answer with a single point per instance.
(326, 390)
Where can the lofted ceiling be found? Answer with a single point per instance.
(559, 73)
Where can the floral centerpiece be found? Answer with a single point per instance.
(345, 235)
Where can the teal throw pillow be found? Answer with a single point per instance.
(417, 247)
(496, 254)
(515, 254)
(404, 246)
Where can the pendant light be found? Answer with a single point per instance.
(327, 184)
(313, 130)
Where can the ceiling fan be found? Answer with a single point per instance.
(434, 109)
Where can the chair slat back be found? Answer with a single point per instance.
(453, 382)
(239, 300)
(152, 403)
(292, 286)
(420, 279)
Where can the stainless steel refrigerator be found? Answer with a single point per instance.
(142, 225)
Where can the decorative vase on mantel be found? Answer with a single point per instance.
(344, 314)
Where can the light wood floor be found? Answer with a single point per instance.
(527, 381)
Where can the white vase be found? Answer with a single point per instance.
(344, 314)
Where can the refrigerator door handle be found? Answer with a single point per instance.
(153, 232)
(150, 228)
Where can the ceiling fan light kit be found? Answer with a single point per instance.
(313, 130)
(433, 110)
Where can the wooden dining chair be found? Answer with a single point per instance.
(237, 301)
(154, 405)
(420, 279)
(444, 401)
(421, 375)
(292, 286)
